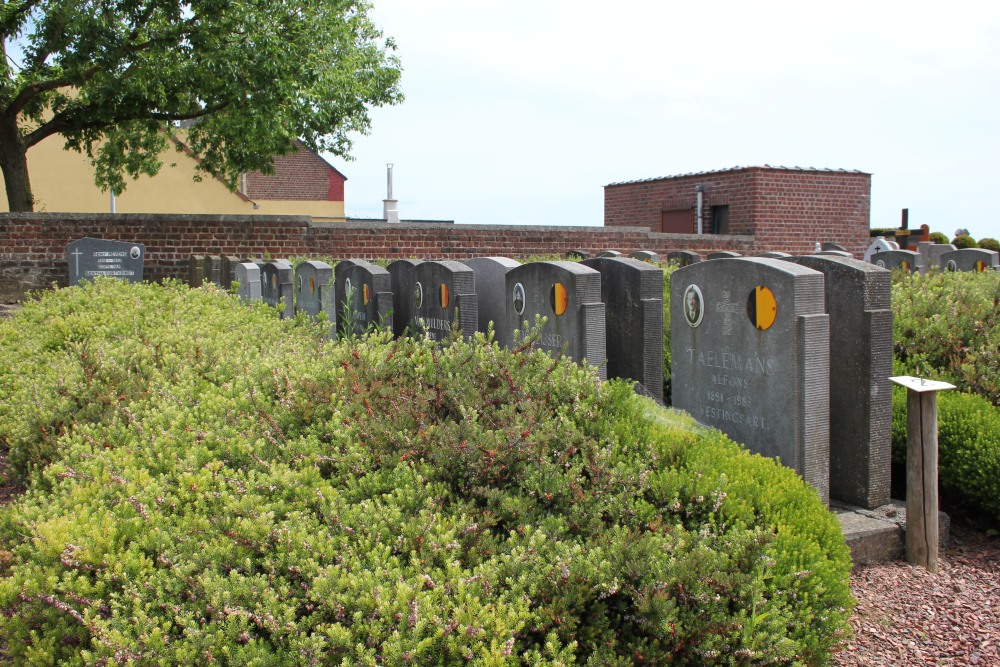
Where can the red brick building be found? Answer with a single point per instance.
(299, 176)
(782, 208)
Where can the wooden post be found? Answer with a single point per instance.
(922, 538)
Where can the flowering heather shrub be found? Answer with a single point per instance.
(237, 490)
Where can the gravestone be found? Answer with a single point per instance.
(723, 254)
(401, 280)
(568, 295)
(858, 302)
(229, 270)
(609, 253)
(907, 260)
(213, 270)
(248, 276)
(277, 286)
(836, 253)
(683, 257)
(645, 256)
(632, 292)
(970, 259)
(443, 292)
(932, 252)
(829, 245)
(750, 355)
(774, 254)
(314, 290)
(88, 258)
(491, 293)
(364, 297)
(577, 254)
(196, 270)
(880, 244)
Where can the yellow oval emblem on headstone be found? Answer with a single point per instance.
(905, 265)
(762, 308)
(444, 295)
(559, 298)
(312, 284)
(980, 266)
(365, 294)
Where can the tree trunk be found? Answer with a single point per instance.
(14, 164)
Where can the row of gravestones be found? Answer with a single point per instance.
(584, 304)
(792, 358)
(887, 254)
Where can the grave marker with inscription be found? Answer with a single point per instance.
(277, 286)
(196, 270)
(213, 270)
(750, 355)
(401, 280)
(364, 296)
(491, 293)
(683, 257)
(314, 289)
(723, 254)
(646, 256)
(248, 276)
(568, 295)
(970, 259)
(444, 292)
(88, 258)
(229, 263)
(632, 292)
(858, 300)
(898, 259)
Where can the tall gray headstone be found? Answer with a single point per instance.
(970, 259)
(645, 256)
(88, 258)
(277, 286)
(858, 300)
(491, 293)
(401, 275)
(683, 257)
(568, 295)
(932, 252)
(364, 297)
(229, 263)
(750, 355)
(898, 259)
(444, 292)
(213, 270)
(248, 277)
(632, 292)
(314, 292)
(196, 270)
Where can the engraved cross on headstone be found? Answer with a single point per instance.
(727, 308)
(76, 253)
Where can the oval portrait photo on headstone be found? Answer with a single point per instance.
(135, 252)
(694, 308)
(418, 295)
(518, 298)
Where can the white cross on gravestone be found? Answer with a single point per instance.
(76, 253)
(727, 308)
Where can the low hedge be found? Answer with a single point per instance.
(235, 489)
(968, 446)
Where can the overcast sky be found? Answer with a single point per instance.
(519, 112)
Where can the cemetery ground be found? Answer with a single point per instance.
(905, 615)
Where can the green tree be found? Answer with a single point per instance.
(115, 77)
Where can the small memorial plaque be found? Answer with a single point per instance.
(89, 258)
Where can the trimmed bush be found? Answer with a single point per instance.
(939, 237)
(968, 446)
(964, 241)
(242, 491)
(989, 244)
(945, 327)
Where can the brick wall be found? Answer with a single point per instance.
(784, 209)
(33, 245)
(301, 175)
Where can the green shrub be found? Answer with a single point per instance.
(964, 241)
(243, 491)
(668, 270)
(989, 244)
(945, 327)
(939, 237)
(968, 445)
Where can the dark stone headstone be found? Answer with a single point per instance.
(401, 275)
(568, 295)
(248, 276)
(857, 300)
(88, 258)
(443, 293)
(364, 297)
(970, 259)
(577, 254)
(683, 257)
(836, 253)
(277, 286)
(196, 270)
(314, 290)
(722, 254)
(646, 256)
(213, 270)
(898, 259)
(229, 270)
(491, 293)
(750, 355)
(774, 254)
(632, 292)
(609, 253)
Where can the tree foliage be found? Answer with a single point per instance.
(114, 77)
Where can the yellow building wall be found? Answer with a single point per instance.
(62, 181)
